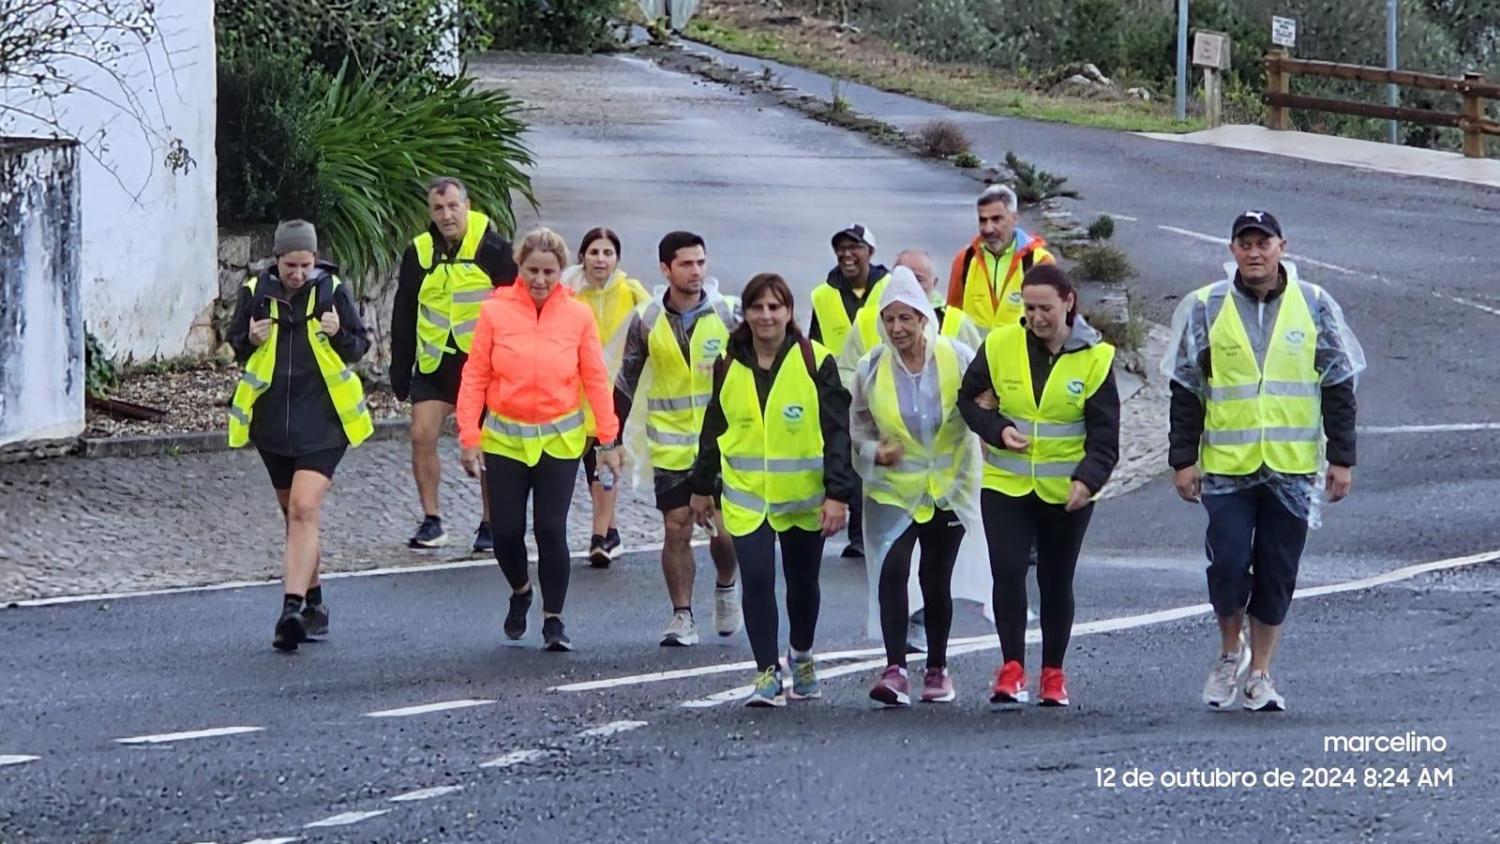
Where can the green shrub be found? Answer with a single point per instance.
(267, 158)
(966, 160)
(1103, 228)
(1033, 185)
(1099, 262)
(556, 26)
(942, 138)
(100, 375)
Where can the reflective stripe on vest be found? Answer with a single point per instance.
(772, 463)
(1262, 413)
(1055, 428)
(453, 290)
(924, 475)
(526, 442)
(679, 389)
(344, 388)
(833, 320)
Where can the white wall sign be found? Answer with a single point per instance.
(1284, 31)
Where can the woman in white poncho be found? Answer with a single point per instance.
(598, 282)
(921, 468)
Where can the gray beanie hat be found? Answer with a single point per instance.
(295, 236)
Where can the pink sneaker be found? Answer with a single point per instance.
(937, 686)
(891, 688)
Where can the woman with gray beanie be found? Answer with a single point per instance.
(296, 330)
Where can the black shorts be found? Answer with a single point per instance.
(590, 461)
(281, 468)
(441, 384)
(673, 489)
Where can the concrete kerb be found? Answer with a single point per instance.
(166, 445)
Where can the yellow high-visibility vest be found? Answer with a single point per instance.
(833, 320)
(452, 293)
(680, 388)
(924, 475)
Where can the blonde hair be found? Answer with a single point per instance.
(542, 239)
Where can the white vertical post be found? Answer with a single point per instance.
(1392, 91)
(1182, 58)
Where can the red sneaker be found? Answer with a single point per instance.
(1054, 688)
(1010, 684)
(891, 689)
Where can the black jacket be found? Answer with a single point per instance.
(295, 415)
(494, 257)
(1187, 412)
(839, 480)
(1101, 411)
(852, 303)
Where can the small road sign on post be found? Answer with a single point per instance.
(1211, 52)
(1284, 32)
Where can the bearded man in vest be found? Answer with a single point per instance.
(1263, 369)
(447, 273)
(671, 346)
(840, 312)
(985, 279)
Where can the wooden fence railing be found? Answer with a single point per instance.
(1473, 87)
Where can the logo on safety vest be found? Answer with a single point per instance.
(1015, 297)
(712, 345)
(1296, 338)
(1075, 387)
(792, 413)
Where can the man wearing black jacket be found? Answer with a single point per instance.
(1262, 364)
(446, 274)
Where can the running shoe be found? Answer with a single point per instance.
(1225, 680)
(554, 638)
(1261, 695)
(430, 534)
(484, 541)
(805, 685)
(681, 632)
(890, 688)
(937, 686)
(291, 631)
(515, 618)
(315, 619)
(1010, 684)
(1054, 688)
(612, 543)
(599, 556)
(855, 550)
(767, 690)
(728, 616)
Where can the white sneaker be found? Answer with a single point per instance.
(729, 619)
(680, 632)
(1224, 681)
(1261, 695)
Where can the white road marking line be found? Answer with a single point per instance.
(1111, 625)
(164, 738)
(1428, 429)
(611, 729)
(1301, 259)
(722, 668)
(1462, 301)
(16, 759)
(515, 757)
(273, 841)
(425, 708)
(337, 575)
(427, 793)
(346, 818)
(1127, 218)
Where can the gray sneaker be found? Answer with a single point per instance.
(681, 631)
(1226, 678)
(1261, 695)
(767, 690)
(805, 685)
(729, 618)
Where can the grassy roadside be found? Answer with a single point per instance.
(961, 87)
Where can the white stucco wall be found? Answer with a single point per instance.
(149, 259)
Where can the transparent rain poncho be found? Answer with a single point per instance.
(633, 435)
(884, 524)
(1339, 358)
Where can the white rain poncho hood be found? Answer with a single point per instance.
(884, 524)
(1338, 351)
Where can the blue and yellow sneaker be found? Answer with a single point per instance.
(805, 685)
(767, 689)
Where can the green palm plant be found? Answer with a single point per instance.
(378, 145)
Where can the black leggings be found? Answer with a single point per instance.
(1011, 525)
(550, 483)
(801, 557)
(940, 537)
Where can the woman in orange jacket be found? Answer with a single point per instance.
(535, 354)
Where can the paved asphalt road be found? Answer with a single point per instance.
(657, 151)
